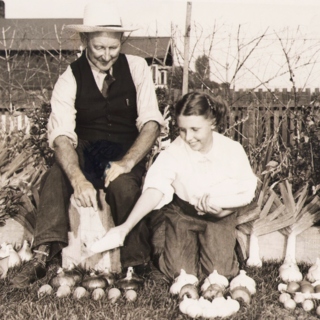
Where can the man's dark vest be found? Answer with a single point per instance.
(112, 118)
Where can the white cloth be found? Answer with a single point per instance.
(63, 115)
(224, 173)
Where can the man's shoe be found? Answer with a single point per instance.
(157, 276)
(32, 271)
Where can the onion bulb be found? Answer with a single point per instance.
(14, 259)
(299, 297)
(194, 311)
(190, 290)
(307, 305)
(290, 304)
(114, 294)
(98, 294)
(46, 289)
(242, 280)
(183, 279)
(215, 278)
(307, 288)
(293, 287)
(131, 295)
(63, 291)
(25, 253)
(284, 297)
(314, 271)
(80, 292)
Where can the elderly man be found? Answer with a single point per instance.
(104, 121)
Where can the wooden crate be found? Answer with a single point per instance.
(87, 226)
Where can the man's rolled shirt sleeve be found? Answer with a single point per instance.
(147, 103)
(63, 113)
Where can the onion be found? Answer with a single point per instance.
(293, 287)
(131, 295)
(80, 292)
(94, 282)
(14, 258)
(59, 281)
(242, 280)
(194, 311)
(314, 271)
(98, 294)
(318, 310)
(299, 297)
(190, 290)
(4, 267)
(307, 305)
(241, 294)
(213, 291)
(25, 253)
(63, 291)
(290, 304)
(284, 297)
(307, 288)
(114, 294)
(46, 289)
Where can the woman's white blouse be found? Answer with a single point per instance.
(224, 173)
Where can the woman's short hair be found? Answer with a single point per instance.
(201, 104)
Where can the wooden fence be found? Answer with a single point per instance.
(256, 115)
(252, 116)
(17, 121)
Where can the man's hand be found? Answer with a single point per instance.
(85, 194)
(116, 169)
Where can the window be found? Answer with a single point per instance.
(154, 71)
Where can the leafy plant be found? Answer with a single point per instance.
(38, 133)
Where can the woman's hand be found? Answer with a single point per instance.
(205, 206)
(121, 231)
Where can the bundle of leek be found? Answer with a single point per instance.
(273, 216)
(304, 217)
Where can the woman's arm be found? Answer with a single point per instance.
(145, 204)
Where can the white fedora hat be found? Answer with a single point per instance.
(101, 16)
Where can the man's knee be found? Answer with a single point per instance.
(124, 185)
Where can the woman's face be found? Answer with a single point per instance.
(196, 131)
(104, 48)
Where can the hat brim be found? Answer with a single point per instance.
(83, 28)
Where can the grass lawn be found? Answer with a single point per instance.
(154, 302)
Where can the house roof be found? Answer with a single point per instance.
(49, 34)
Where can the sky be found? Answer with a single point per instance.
(296, 22)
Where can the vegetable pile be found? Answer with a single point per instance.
(289, 214)
(210, 302)
(10, 258)
(304, 292)
(97, 285)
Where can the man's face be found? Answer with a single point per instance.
(104, 48)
